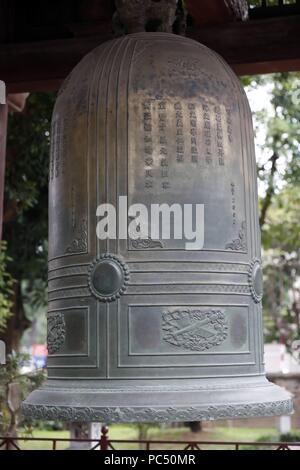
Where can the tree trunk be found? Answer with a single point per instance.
(142, 434)
(195, 426)
(17, 323)
(270, 191)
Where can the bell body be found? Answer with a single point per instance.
(146, 329)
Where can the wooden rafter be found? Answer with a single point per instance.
(256, 46)
(217, 11)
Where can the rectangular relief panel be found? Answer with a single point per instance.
(72, 337)
(187, 330)
(183, 340)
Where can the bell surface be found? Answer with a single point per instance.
(150, 328)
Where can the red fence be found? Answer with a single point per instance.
(105, 443)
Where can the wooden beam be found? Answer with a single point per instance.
(217, 11)
(40, 66)
(3, 131)
(256, 46)
(260, 68)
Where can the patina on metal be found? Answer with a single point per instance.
(145, 330)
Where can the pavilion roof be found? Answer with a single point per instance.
(40, 42)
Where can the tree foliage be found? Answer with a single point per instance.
(14, 387)
(26, 187)
(282, 268)
(6, 283)
(279, 177)
(26, 205)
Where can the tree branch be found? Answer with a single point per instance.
(270, 191)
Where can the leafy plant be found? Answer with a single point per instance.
(26, 211)
(290, 437)
(14, 387)
(6, 283)
(278, 172)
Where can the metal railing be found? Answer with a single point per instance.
(105, 443)
(268, 9)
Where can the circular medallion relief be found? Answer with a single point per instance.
(108, 277)
(255, 279)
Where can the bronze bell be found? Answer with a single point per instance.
(143, 329)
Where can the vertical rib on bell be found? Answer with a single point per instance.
(144, 329)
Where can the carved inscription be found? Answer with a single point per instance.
(193, 132)
(148, 144)
(73, 205)
(163, 144)
(179, 132)
(229, 125)
(207, 133)
(219, 135)
(58, 145)
(233, 203)
(183, 144)
(189, 70)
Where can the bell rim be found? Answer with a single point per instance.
(163, 406)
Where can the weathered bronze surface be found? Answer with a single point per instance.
(144, 330)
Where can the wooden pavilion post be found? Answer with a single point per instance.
(3, 131)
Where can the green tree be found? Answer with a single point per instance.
(279, 162)
(6, 284)
(281, 243)
(26, 210)
(279, 176)
(14, 387)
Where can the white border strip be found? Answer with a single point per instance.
(2, 92)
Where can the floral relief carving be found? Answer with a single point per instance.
(239, 243)
(56, 332)
(79, 243)
(157, 414)
(196, 330)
